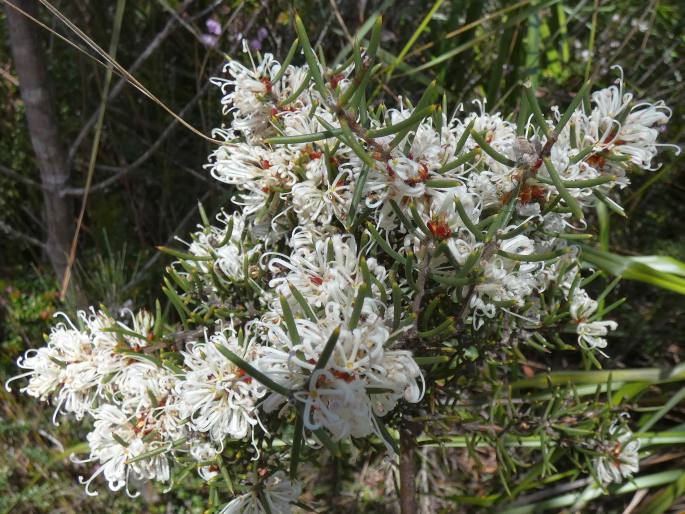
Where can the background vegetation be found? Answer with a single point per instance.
(149, 176)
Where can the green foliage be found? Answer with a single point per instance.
(26, 306)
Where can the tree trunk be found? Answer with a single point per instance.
(36, 93)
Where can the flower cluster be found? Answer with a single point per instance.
(102, 369)
(361, 239)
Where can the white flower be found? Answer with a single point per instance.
(317, 204)
(215, 394)
(203, 452)
(250, 167)
(628, 130)
(277, 491)
(44, 375)
(361, 378)
(72, 365)
(115, 440)
(590, 333)
(327, 271)
(619, 457)
(593, 333)
(226, 252)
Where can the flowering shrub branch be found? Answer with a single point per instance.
(378, 257)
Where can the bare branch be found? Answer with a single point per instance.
(19, 177)
(125, 170)
(341, 21)
(4, 227)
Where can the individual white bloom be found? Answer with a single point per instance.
(116, 440)
(501, 136)
(217, 396)
(637, 137)
(397, 371)
(341, 405)
(277, 491)
(590, 333)
(619, 457)
(505, 281)
(143, 325)
(439, 213)
(44, 373)
(141, 386)
(626, 129)
(226, 250)
(327, 272)
(248, 166)
(252, 99)
(303, 240)
(401, 177)
(318, 204)
(488, 188)
(593, 333)
(581, 306)
(304, 122)
(203, 451)
(71, 367)
(409, 166)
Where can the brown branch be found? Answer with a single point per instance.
(19, 177)
(4, 227)
(407, 471)
(341, 21)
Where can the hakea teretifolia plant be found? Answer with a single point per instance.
(368, 249)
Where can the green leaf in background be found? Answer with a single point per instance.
(657, 270)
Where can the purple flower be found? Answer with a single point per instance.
(255, 44)
(209, 40)
(213, 26)
(262, 33)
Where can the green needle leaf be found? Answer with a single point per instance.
(571, 202)
(328, 349)
(310, 57)
(289, 320)
(253, 372)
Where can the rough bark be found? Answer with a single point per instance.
(37, 95)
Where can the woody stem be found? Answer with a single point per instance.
(407, 471)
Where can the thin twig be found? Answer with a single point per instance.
(114, 45)
(9, 77)
(125, 170)
(4, 227)
(20, 178)
(341, 21)
(120, 69)
(324, 31)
